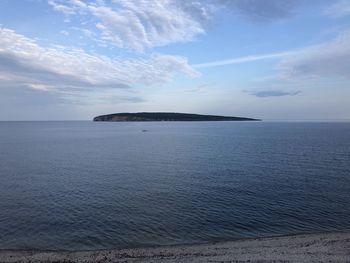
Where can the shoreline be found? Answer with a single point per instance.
(323, 247)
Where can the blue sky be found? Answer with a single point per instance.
(269, 59)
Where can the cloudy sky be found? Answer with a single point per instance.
(269, 59)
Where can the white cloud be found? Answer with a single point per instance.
(40, 87)
(339, 9)
(64, 32)
(241, 60)
(140, 24)
(330, 59)
(61, 7)
(23, 62)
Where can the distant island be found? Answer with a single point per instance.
(167, 116)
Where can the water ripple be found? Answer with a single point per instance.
(82, 185)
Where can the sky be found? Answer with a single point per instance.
(268, 59)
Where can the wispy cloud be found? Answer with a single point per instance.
(242, 60)
(323, 60)
(339, 9)
(138, 24)
(67, 10)
(198, 89)
(142, 24)
(330, 59)
(272, 93)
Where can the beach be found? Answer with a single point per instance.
(326, 247)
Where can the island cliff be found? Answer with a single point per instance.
(167, 116)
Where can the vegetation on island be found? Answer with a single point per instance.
(167, 116)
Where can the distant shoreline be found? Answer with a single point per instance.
(165, 116)
(324, 247)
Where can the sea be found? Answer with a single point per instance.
(83, 185)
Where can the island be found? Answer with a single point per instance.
(167, 116)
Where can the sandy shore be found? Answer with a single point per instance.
(330, 247)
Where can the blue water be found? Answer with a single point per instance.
(85, 185)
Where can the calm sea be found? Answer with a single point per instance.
(86, 185)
